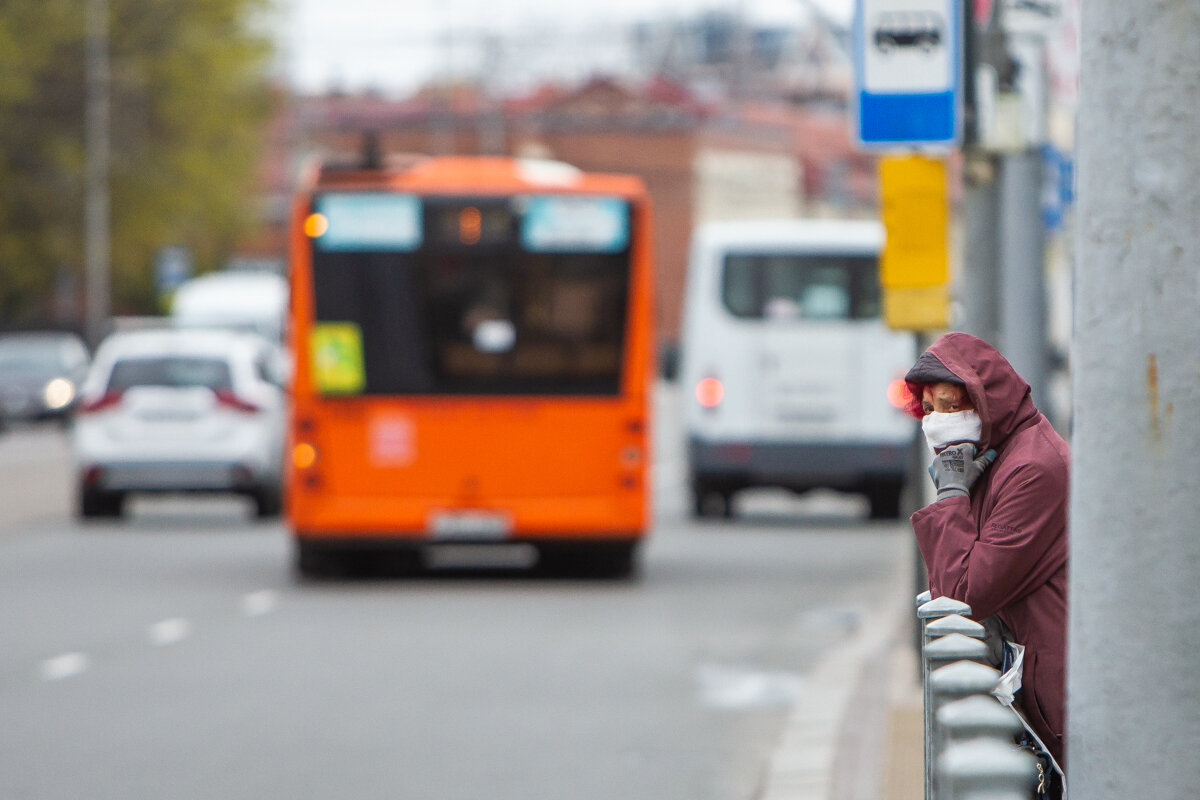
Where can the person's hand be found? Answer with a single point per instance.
(955, 470)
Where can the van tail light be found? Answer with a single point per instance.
(709, 392)
(104, 401)
(899, 395)
(226, 398)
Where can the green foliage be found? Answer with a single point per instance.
(189, 101)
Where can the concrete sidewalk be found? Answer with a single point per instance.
(857, 732)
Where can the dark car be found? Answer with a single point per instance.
(40, 374)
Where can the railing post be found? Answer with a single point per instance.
(978, 717)
(929, 610)
(985, 768)
(953, 682)
(955, 623)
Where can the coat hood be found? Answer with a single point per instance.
(1001, 396)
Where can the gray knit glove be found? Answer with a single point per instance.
(955, 470)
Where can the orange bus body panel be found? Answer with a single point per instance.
(555, 467)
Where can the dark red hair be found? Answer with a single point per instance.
(912, 406)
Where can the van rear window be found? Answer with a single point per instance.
(801, 287)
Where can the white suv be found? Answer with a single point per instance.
(180, 411)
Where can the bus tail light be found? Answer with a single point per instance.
(304, 455)
(709, 392)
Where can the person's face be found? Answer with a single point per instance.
(945, 398)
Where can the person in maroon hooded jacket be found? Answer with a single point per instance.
(996, 536)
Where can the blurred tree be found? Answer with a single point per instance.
(190, 97)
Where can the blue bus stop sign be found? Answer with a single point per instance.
(906, 67)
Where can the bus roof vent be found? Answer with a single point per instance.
(548, 171)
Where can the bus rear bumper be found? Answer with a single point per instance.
(596, 555)
(800, 466)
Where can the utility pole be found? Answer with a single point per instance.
(1022, 233)
(1003, 277)
(96, 214)
(1023, 269)
(1134, 704)
(983, 56)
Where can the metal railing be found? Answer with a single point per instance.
(970, 750)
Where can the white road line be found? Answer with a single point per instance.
(740, 688)
(255, 604)
(65, 666)
(169, 631)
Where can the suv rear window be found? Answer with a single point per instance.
(801, 287)
(174, 371)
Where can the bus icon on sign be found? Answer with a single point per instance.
(896, 30)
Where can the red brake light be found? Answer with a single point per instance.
(106, 400)
(709, 392)
(227, 398)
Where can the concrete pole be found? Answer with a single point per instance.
(980, 306)
(1134, 702)
(1022, 269)
(96, 255)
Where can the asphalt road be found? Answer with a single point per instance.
(175, 655)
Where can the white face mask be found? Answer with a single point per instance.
(942, 430)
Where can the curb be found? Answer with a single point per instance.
(834, 744)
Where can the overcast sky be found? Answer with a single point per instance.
(395, 45)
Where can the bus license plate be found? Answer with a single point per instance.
(469, 525)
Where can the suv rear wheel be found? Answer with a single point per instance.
(97, 503)
(268, 502)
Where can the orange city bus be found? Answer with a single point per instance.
(473, 345)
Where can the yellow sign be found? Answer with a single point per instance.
(915, 267)
(337, 358)
(923, 309)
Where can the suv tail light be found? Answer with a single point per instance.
(226, 397)
(106, 400)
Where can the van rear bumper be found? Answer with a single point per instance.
(809, 465)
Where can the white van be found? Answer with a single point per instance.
(790, 376)
(252, 301)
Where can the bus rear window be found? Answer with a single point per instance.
(473, 310)
(801, 287)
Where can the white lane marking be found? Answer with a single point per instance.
(255, 604)
(169, 631)
(65, 666)
(743, 688)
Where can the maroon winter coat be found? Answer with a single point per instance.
(1004, 550)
